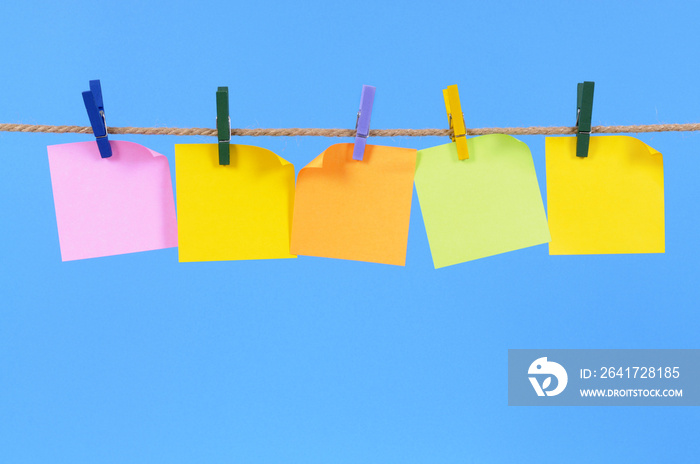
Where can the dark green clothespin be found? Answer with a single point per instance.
(223, 126)
(584, 111)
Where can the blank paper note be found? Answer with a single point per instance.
(236, 212)
(481, 206)
(609, 202)
(111, 206)
(357, 210)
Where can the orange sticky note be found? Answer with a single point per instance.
(356, 210)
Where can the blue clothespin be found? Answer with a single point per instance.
(96, 112)
(362, 124)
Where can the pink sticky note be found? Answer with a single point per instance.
(111, 206)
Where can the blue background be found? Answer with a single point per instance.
(137, 358)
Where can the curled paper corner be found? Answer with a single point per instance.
(634, 140)
(118, 145)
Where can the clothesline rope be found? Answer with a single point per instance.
(300, 132)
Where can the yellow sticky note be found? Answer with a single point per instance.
(610, 202)
(240, 211)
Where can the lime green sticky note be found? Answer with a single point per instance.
(482, 206)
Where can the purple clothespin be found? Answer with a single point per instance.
(362, 124)
(96, 112)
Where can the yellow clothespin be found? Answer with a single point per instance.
(456, 120)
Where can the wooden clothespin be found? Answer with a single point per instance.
(223, 126)
(362, 123)
(584, 112)
(96, 112)
(455, 117)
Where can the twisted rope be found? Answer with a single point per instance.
(297, 132)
